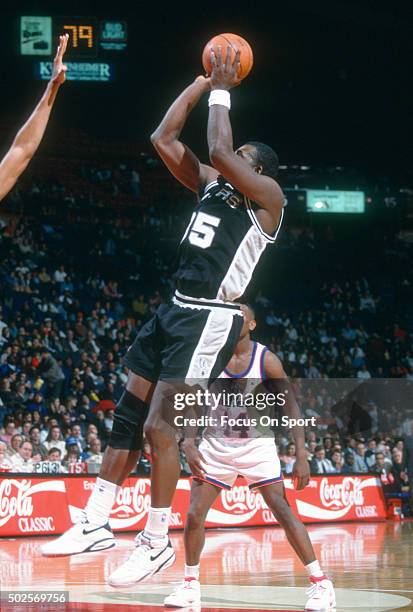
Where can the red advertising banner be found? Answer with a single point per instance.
(38, 505)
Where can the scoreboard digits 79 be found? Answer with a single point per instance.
(87, 36)
(83, 35)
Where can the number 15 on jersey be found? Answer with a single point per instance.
(201, 229)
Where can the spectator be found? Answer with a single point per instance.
(72, 456)
(37, 447)
(311, 446)
(5, 462)
(381, 466)
(399, 469)
(22, 461)
(185, 469)
(14, 446)
(55, 440)
(95, 455)
(360, 464)
(370, 456)
(9, 431)
(60, 274)
(319, 464)
(348, 467)
(363, 373)
(336, 461)
(76, 436)
(54, 454)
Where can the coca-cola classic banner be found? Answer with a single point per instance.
(46, 505)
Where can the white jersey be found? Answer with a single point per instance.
(236, 418)
(232, 446)
(255, 369)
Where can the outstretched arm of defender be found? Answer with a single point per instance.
(263, 190)
(30, 135)
(274, 372)
(179, 158)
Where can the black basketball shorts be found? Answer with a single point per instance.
(189, 340)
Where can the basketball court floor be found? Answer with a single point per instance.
(242, 569)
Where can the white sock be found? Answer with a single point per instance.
(314, 569)
(158, 522)
(192, 571)
(100, 503)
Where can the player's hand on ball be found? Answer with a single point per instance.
(59, 69)
(301, 473)
(195, 459)
(224, 73)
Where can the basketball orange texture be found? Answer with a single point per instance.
(237, 43)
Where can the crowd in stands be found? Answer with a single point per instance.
(75, 289)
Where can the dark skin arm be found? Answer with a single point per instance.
(275, 372)
(179, 159)
(30, 135)
(263, 190)
(192, 453)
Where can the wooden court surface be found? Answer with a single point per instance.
(371, 565)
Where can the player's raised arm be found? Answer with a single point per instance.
(277, 377)
(178, 158)
(235, 167)
(30, 135)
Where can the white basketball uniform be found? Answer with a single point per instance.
(240, 450)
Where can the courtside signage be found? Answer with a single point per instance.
(49, 505)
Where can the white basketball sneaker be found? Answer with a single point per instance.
(149, 557)
(321, 596)
(82, 537)
(188, 593)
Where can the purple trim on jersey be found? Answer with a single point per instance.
(262, 370)
(263, 483)
(217, 483)
(244, 374)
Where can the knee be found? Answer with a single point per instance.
(156, 436)
(194, 520)
(152, 431)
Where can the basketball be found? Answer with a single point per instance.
(237, 43)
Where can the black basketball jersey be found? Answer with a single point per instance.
(221, 245)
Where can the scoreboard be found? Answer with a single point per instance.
(93, 45)
(87, 36)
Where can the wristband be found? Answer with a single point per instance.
(220, 96)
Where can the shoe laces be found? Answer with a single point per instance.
(141, 547)
(142, 541)
(188, 584)
(185, 584)
(316, 589)
(82, 519)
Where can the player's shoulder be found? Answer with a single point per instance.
(272, 364)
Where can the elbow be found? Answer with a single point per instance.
(155, 138)
(159, 140)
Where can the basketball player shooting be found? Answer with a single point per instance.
(246, 449)
(238, 214)
(30, 135)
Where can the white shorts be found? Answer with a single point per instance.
(255, 459)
